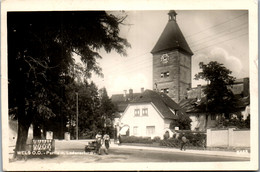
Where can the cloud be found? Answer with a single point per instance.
(222, 56)
(231, 62)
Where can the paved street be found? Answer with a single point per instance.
(73, 152)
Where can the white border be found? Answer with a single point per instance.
(65, 5)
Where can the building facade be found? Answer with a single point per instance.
(150, 114)
(172, 61)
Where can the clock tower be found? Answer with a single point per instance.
(172, 61)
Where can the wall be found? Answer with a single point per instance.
(153, 119)
(198, 121)
(228, 138)
(241, 138)
(171, 82)
(179, 68)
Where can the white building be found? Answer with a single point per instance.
(149, 114)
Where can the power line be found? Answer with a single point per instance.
(197, 44)
(215, 25)
(150, 65)
(139, 65)
(221, 33)
(215, 37)
(221, 42)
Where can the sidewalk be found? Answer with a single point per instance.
(188, 151)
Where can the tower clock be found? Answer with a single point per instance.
(172, 61)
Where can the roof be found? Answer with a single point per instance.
(171, 38)
(193, 106)
(121, 101)
(161, 101)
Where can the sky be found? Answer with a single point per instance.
(212, 35)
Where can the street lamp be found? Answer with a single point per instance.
(77, 113)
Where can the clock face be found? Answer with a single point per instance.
(165, 58)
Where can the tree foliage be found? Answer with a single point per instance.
(220, 98)
(107, 109)
(234, 122)
(40, 63)
(183, 122)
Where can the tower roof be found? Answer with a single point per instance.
(172, 37)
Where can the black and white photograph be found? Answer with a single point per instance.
(129, 85)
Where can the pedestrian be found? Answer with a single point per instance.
(119, 139)
(98, 143)
(184, 141)
(166, 135)
(106, 139)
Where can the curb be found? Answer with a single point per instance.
(201, 152)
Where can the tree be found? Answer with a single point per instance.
(40, 49)
(219, 98)
(107, 110)
(183, 121)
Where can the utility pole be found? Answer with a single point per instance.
(77, 120)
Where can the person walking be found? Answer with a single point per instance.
(119, 139)
(106, 139)
(98, 143)
(184, 141)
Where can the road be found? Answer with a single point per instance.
(73, 152)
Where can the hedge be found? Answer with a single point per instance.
(134, 139)
(195, 140)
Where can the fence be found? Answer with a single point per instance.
(230, 137)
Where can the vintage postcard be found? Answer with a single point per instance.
(129, 85)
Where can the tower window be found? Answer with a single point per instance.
(165, 74)
(165, 90)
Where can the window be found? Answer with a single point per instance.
(150, 130)
(145, 112)
(165, 90)
(137, 112)
(135, 130)
(165, 74)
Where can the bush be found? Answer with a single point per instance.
(233, 122)
(134, 139)
(156, 139)
(195, 140)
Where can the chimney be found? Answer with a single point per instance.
(142, 89)
(125, 95)
(199, 92)
(131, 94)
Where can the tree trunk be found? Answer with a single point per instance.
(24, 122)
(206, 121)
(23, 127)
